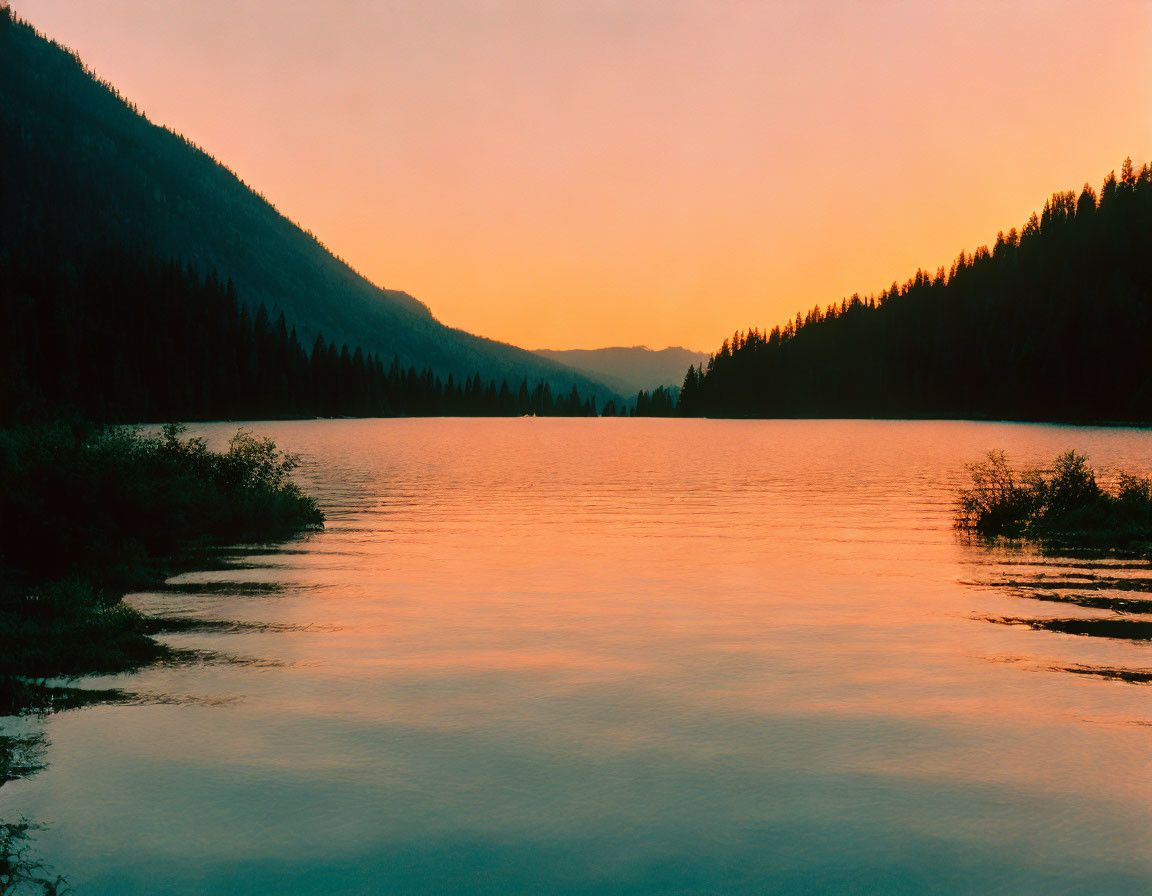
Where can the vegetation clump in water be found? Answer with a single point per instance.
(86, 514)
(1064, 503)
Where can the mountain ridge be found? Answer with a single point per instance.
(85, 171)
(630, 369)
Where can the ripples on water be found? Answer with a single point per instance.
(629, 655)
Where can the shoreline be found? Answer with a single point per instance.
(92, 514)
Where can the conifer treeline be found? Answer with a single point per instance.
(1053, 322)
(81, 171)
(660, 402)
(124, 340)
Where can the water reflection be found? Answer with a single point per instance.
(1123, 629)
(626, 656)
(1107, 592)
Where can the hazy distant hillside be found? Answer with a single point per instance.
(628, 370)
(82, 172)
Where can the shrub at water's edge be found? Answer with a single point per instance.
(73, 501)
(1063, 503)
(86, 514)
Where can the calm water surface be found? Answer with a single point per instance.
(627, 656)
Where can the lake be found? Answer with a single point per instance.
(628, 656)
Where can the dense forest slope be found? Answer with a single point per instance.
(83, 173)
(1052, 322)
(127, 340)
(629, 370)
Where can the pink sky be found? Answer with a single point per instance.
(606, 172)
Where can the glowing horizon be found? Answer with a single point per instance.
(612, 173)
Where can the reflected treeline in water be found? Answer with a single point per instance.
(224, 587)
(21, 869)
(1090, 594)
(86, 515)
(24, 747)
(24, 753)
(719, 656)
(1091, 549)
(193, 604)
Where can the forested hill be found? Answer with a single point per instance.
(83, 173)
(1052, 322)
(130, 340)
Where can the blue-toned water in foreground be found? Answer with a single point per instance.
(641, 656)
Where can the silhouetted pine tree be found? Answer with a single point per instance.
(120, 339)
(1053, 322)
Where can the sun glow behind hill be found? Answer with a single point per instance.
(86, 178)
(613, 173)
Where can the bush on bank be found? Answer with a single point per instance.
(87, 513)
(1064, 502)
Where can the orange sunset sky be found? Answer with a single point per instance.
(615, 172)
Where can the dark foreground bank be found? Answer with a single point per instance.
(87, 514)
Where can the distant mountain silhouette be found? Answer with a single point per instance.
(630, 370)
(82, 173)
